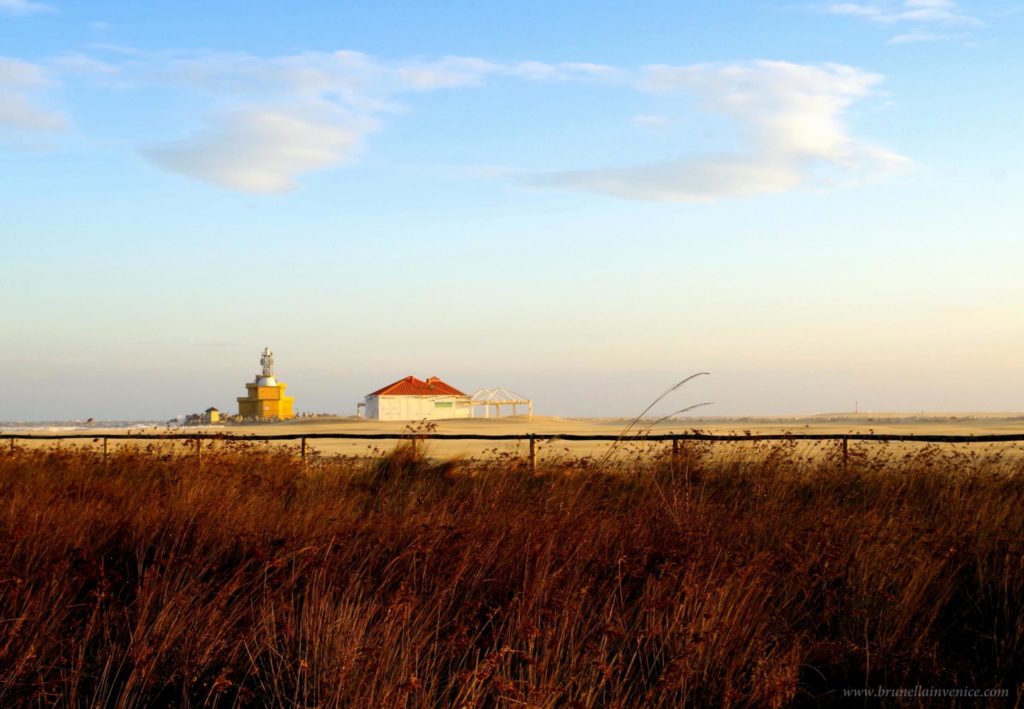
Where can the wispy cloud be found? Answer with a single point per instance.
(268, 121)
(918, 36)
(566, 71)
(922, 17)
(263, 149)
(789, 122)
(23, 7)
(21, 83)
(275, 119)
(80, 63)
(348, 76)
(446, 73)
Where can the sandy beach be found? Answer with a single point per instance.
(895, 423)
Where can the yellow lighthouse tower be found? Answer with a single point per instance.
(266, 397)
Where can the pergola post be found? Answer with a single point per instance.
(500, 397)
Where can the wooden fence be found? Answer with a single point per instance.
(675, 438)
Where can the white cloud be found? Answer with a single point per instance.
(79, 63)
(446, 73)
(23, 7)
(351, 76)
(920, 16)
(271, 120)
(277, 119)
(314, 108)
(264, 149)
(703, 179)
(18, 111)
(917, 36)
(918, 21)
(114, 48)
(20, 84)
(789, 122)
(16, 72)
(944, 12)
(871, 12)
(565, 71)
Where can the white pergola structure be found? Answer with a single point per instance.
(498, 397)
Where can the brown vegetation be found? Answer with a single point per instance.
(767, 576)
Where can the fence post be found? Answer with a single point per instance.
(12, 443)
(302, 449)
(675, 455)
(199, 452)
(104, 450)
(533, 454)
(846, 453)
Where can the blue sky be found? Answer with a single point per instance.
(817, 202)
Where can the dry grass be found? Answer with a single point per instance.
(769, 577)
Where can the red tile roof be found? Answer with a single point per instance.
(411, 386)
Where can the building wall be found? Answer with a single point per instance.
(372, 408)
(416, 408)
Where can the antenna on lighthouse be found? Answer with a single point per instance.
(267, 362)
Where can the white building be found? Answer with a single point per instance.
(413, 399)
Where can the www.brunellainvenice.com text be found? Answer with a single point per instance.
(919, 692)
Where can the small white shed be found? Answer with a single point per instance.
(412, 399)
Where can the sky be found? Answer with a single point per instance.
(819, 203)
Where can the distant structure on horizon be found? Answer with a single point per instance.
(498, 397)
(265, 398)
(412, 399)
